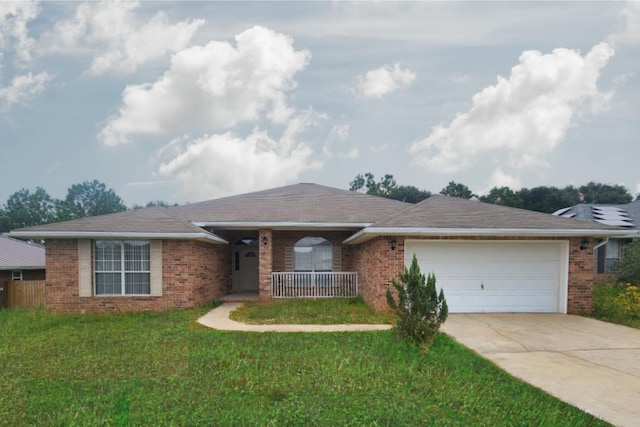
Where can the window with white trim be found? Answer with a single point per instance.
(16, 275)
(122, 267)
(313, 254)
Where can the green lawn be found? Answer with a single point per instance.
(310, 312)
(165, 369)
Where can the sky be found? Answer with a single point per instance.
(189, 101)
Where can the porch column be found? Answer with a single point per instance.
(265, 265)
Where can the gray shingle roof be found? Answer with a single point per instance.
(294, 203)
(440, 211)
(302, 205)
(19, 255)
(147, 220)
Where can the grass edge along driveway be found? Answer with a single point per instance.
(165, 369)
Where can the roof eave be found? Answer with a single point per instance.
(281, 225)
(44, 235)
(373, 232)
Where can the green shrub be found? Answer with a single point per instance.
(628, 302)
(419, 308)
(628, 267)
(617, 303)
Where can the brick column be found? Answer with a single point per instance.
(265, 266)
(581, 274)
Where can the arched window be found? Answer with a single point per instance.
(313, 254)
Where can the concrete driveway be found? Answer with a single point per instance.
(590, 364)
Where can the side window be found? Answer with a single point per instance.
(16, 275)
(313, 254)
(122, 267)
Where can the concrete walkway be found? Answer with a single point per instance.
(218, 318)
(590, 364)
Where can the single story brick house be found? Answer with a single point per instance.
(316, 241)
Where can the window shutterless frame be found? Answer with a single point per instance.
(122, 267)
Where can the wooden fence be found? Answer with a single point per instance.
(25, 293)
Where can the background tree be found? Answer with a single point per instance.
(26, 209)
(604, 193)
(503, 196)
(90, 198)
(455, 189)
(154, 204)
(409, 194)
(367, 184)
(387, 187)
(549, 199)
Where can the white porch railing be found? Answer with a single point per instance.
(314, 285)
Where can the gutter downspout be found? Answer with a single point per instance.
(604, 242)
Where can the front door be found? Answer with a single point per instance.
(245, 269)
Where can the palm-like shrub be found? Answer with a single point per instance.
(420, 309)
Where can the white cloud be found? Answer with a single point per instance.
(525, 116)
(14, 37)
(223, 164)
(501, 179)
(14, 17)
(630, 34)
(339, 132)
(213, 86)
(23, 88)
(382, 81)
(354, 153)
(125, 41)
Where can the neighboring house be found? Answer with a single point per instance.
(610, 250)
(19, 260)
(311, 238)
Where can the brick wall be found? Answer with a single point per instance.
(265, 264)
(581, 274)
(193, 273)
(377, 265)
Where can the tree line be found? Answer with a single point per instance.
(541, 199)
(26, 208)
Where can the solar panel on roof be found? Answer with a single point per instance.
(559, 212)
(611, 216)
(606, 209)
(568, 215)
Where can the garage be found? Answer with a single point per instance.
(496, 276)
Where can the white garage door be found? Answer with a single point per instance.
(496, 276)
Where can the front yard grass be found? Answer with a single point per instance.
(165, 369)
(310, 312)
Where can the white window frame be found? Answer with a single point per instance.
(313, 258)
(123, 268)
(16, 277)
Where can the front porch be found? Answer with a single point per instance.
(314, 285)
(241, 297)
